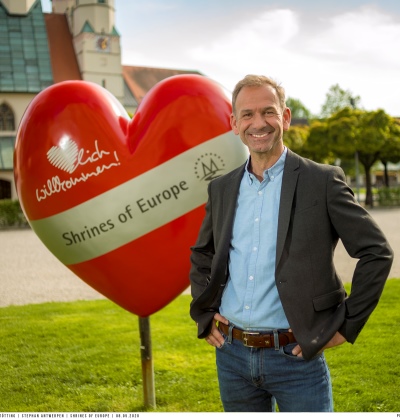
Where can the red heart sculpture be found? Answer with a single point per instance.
(120, 201)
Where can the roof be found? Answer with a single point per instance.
(25, 58)
(141, 79)
(37, 50)
(62, 54)
(87, 27)
(129, 100)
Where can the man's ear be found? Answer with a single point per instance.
(234, 124)
(287, 118)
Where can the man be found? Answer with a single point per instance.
(264, 286)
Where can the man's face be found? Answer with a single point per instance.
(259, 119)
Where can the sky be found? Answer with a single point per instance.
(306, 45)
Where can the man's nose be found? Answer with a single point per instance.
(259, 120)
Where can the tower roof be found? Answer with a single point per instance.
(25, 58)
(87, 27)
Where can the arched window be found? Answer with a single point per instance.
(7, 122)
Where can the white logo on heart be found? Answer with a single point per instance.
(64, 156)
(67, 157)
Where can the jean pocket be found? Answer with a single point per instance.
(225, 341)
(287, 351)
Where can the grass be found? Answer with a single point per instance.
(85, 357)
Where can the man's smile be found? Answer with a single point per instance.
(260, 135)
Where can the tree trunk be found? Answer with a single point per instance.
(386, 174)
(367, 161)
(369, 200)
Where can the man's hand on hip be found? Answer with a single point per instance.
(336, 340)
(215, 337)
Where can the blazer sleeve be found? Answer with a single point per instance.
(202, 255)
(363, 240)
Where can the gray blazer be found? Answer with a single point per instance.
(316, 209)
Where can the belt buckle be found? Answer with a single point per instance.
(245, 339)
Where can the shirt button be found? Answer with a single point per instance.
(255, 248)
(259, 192)
(256, 219)
(247, 307)
(251, 278)
(272, 177)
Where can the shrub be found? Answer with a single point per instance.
(11, 214)
(389, 196)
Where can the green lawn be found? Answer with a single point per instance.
(85, 356)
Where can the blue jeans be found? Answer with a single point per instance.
(256, 379)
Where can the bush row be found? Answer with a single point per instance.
(11, 214)
(388, 196)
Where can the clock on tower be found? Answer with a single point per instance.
(103, 43)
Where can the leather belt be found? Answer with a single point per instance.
(257, 339)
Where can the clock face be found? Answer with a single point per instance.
(102, 44)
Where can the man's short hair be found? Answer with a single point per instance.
(254, 80)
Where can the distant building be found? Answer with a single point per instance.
(299, 121)
(77, 41)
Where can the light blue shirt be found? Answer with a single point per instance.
(250, 299)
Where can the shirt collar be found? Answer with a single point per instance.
(270, 173)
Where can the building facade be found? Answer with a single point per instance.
(78, 40)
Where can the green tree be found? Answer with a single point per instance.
(337, 99)
(298, 109)
(296, 137)
(363, 132)
(391, 150)
(317, 146)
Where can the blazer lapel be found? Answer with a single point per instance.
(231, 190)
(230, 194)
(289, 182)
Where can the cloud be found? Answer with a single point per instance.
(252, 40)
(260, 45)
(359, 50)
(308, 53)
(366, 35)
(355, 49)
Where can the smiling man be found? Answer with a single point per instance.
(260, 119)
(265, 290)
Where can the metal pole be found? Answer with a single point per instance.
(147, 363)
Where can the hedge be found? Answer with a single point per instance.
(11, 214)
(388, 196)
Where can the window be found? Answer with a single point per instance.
(6, 153)
(7, 122)
(5, 189)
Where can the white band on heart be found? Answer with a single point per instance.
(141, 205)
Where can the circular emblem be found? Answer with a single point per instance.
(209, 166)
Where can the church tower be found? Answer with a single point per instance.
(96, 41)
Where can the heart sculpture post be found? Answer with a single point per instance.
(119, 201)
